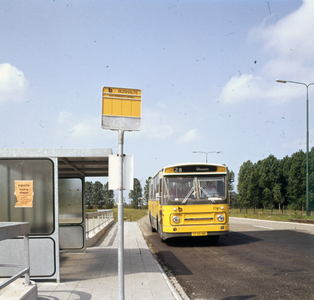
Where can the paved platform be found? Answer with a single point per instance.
(94, 274)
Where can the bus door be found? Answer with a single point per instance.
(160, 197)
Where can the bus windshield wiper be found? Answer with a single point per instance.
(188, 195)
(207, 194)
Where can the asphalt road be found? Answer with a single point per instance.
(258, 260)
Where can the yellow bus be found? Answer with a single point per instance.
(189, 200)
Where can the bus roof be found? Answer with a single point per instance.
(194, 164)
(223, 168)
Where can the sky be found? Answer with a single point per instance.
(207, 70)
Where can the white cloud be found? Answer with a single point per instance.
(250, 89)
(85, 128)
(78, 127)
(291, 36)
(241, 88)
(191, 136)
(13, 84)
(289, 44)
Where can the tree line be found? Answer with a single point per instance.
(138, 198)
(272, 183)
(98, 195)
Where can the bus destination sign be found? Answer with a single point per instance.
(193, 169)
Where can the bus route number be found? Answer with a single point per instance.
(178, 170)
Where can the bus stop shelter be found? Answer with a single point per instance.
(46, 187)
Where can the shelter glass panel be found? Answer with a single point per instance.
(70, 200)
(27, 193)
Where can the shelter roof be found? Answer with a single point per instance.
(71, 162)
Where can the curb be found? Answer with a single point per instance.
(173, 284)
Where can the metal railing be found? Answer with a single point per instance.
(10, 230)
(283, 211)
(103, 218)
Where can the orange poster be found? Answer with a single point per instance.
(23, 192)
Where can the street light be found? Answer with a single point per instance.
(307, 137)
(206, 153)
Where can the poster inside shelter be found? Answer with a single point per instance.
(24, 193)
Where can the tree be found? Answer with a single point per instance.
(89, 193)
(268, 170)
(230, 180)
(146, 190)
(267, 174)
(136, 194)
(296, 180)
(234, 200)
(267, 197)
(256, 190)
(98, 194)
(277, 194)
(272, 182)
(245, 184)
(284, 167)
(108, 196)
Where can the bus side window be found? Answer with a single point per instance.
(164, 191)
(160, 191)
(152, 190)
(149, 191)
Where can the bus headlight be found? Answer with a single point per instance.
(220, 218)
(175, 219)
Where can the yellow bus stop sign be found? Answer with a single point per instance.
(121, 108)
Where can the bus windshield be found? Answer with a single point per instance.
(194, 190)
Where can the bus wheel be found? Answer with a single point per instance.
(151, 224)
(214, 239)
(160, 232)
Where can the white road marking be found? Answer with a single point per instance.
(263, 227)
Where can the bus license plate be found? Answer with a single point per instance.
(202, 233)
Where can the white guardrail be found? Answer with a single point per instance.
(95, 221)
(10, 230)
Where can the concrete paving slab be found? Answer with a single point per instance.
(94, 274)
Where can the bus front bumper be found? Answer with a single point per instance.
(221, 229)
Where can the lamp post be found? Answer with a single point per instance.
(307, 137)
(206, 153)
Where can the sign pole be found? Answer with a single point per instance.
(121, 219)
(121, 110)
